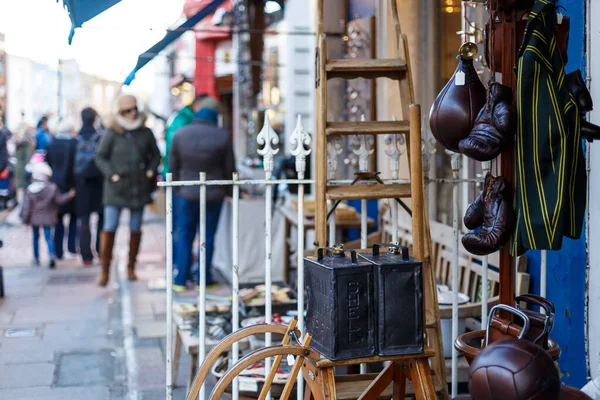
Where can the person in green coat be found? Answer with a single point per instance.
(128, 157)
(184, 117)
(24, 145)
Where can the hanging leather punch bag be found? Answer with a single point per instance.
(454, 110)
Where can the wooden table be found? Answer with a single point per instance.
(190, 344)
(291, 219)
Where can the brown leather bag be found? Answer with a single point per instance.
(536, 326)
(502, 329)
(540, 324)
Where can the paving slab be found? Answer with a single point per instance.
(151, 377)
(152, 329)
(26, 376)
(54, 393)
(76, 312)
(179, 393)
(6, 316)
(91, 343)
(83, 369)
(150, 357)
(76, 329)
(11, 356)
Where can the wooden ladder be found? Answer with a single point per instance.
(410, 125)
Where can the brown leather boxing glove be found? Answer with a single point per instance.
(474, 215)
(494, 123)
(498, 220)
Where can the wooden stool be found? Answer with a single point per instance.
(391, 382)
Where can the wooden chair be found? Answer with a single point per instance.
(319, 373)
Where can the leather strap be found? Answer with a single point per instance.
(502, 329)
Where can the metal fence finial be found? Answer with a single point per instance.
(334, 148)
(394, 150)
(363, 152)
(301, 141)
(267, 138)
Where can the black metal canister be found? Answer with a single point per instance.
(341, 308)
(400, 300)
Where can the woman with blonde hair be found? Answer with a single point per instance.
(128, 157)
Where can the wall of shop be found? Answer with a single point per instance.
(566, 269)
(593, 306)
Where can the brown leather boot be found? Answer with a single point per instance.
(107, 242)
(135, 239)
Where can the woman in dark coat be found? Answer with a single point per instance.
(128, 158)
(60, 156)
(88, 183)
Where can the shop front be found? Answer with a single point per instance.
(480, 192)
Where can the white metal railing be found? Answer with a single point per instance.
(301, 142)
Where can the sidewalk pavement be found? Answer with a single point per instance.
(63, 337)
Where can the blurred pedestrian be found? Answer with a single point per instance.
(3, 152)
(60, 156)
(199, 147)
(40, 208)
(128, 158)
(24, 145)
(42, 134)
(184, 117)
(88, 182)
(178, 120)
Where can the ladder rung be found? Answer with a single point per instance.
(373, 191)
(368, 68)
(367, 127)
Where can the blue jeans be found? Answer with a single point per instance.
(112, 215)
(175, 230)
(59, 235)
(49, 241)
(188, 222)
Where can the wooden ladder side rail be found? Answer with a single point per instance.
(407, 91)
(321, 145)
(422, 245)
(320, 22)
(300, 352)
(227, 342)
(434, 334)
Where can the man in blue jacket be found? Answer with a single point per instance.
(42, 135)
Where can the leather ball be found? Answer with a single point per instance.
(514, 370)
(571, 393)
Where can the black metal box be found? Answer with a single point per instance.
(400, 300)
(340, 304)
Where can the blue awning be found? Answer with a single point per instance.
(171, 36)
(81, 11)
